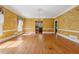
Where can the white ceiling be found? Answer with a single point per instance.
(47, 11)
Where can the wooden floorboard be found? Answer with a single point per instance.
(39, 44)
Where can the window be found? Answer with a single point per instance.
(1, 23)
(20, 25)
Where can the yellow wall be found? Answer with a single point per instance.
(48, 24)
(29, 24)
(69, 21)
(10, 23)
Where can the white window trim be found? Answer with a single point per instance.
(1, 23)
(20, 25)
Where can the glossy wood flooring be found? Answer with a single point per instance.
(39, 44)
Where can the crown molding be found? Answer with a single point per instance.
(65, 11)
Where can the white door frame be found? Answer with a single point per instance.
(54, 25)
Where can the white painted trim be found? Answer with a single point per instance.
(48, 28)
(76, 40)
(10, 30)
(65, 11)
(69, 30)
(7, 38)
(43, 28)
(10, 37)
(18, 13)
(28, 28)
(54, 24)
(29, 33)
(48, 32)
(13, 10)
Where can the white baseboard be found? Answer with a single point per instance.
(31, 33)
(27, 33)
(48, 32)
(10, 37)
(74, 40)
(75, 31)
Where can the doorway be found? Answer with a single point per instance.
(20, 25)
(56, 27)
(38, 27)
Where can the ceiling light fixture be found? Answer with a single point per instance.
(40, 13)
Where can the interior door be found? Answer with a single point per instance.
(38, 27)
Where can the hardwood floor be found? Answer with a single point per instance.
(39, 44)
